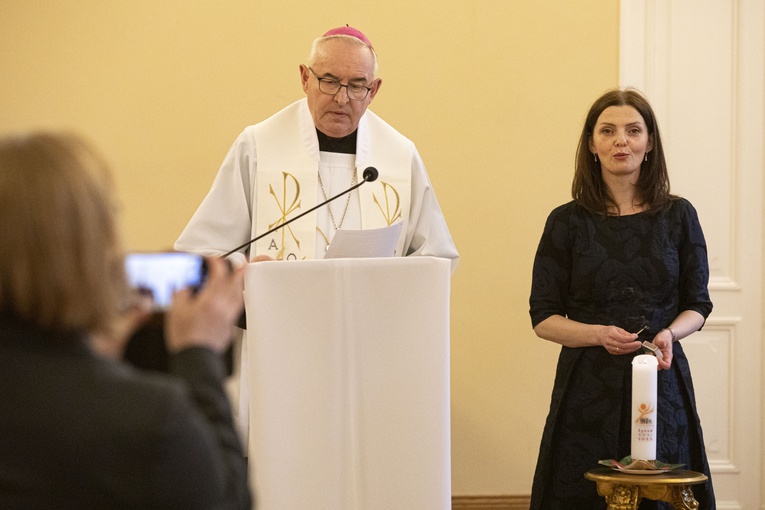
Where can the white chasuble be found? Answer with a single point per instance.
(288, 183)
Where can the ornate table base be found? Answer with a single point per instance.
(625, 491)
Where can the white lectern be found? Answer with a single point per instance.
(349, 384)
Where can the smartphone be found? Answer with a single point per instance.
(162, 273)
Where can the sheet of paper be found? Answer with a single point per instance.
(377, 242)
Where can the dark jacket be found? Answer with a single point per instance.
(79, 431)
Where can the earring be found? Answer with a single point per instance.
(596, 157)
(646, 156)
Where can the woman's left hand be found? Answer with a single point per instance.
(663, 340)
(112, 344)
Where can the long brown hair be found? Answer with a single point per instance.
(60, 257)
(588, 188)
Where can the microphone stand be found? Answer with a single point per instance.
(370, 174)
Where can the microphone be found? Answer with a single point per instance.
(369, 175)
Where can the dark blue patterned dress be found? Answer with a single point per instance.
(628, 271)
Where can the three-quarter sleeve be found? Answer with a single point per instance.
(552, 269)
(694, 265)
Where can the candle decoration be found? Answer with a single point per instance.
(644, 416)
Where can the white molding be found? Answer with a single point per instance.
(720, 283)
(632, 28)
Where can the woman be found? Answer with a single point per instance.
(79, 428)
(624, 262)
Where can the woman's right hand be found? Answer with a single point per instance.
(571, 333)
(618, 341)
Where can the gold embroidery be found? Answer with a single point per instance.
(286, 211)
(326, 241)
(390, 216)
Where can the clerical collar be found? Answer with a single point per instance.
(344, 145)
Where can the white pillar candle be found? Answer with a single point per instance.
(644, 371)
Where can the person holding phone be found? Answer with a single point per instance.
(80, 428)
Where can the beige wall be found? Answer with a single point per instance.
(492, 91)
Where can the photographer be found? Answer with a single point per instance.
(80, 428)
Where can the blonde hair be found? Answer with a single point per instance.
(61, 263)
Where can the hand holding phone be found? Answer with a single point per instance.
(207, 318)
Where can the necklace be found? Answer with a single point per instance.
(347, 201)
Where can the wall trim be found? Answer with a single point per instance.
(500, 502)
